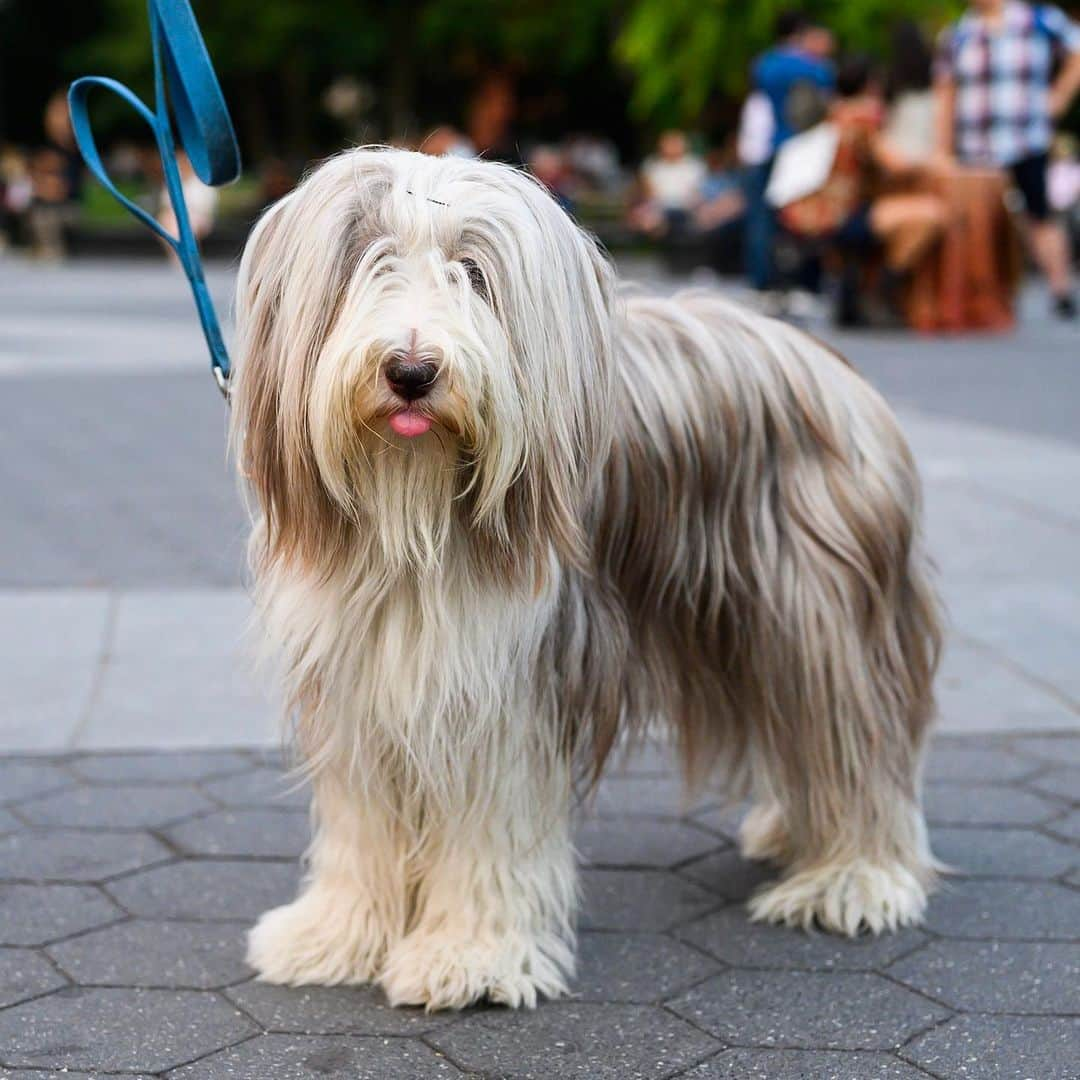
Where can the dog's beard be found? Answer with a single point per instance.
(403, 498)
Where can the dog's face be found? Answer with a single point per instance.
(423, 341)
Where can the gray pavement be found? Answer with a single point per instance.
(144, 821)
(122, 611)
(127, 882)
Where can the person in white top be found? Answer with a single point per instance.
(671, 183)
(909, 124)
(201, 202)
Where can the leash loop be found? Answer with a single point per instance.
(183, 77)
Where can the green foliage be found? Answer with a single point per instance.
(683, 52)
(560, 35)
(243, 36)
(679, 55)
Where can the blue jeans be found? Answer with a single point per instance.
(760, 228)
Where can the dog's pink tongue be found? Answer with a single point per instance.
(409, 423)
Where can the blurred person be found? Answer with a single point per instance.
(1063, 175)
(671, 182)
(798, 59)
(718, 218)
(446, 141)
(909, 123)
(867, 201)
(549, 166)
(1063, 184)
(16, 194)
(60, 138)
(51, 211)
(276, 180)
(998, 102)
(201, 202)
(754, 141)
(56, 178)
(594, 160)
(723, 201)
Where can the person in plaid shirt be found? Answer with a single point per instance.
(998, 100)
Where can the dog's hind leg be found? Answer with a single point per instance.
(840, 744)
(352, 905)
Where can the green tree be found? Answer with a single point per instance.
(683, 52)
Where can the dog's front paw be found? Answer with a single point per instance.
(324, 937)
(844, 898)
(444, 972)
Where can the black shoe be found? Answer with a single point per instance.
(1065, 306)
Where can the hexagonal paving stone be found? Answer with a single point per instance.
(1055, 750)
(996, 976)
(1004, 909)
(1002, 852)
(331, 1010)
(122, 806)
(293, 1057)
(36, 914)
(803, 1065)
(65, 1074)
(261, 787)
(639, 900)
(729, 935)
(986, 804)
(729, 875)
(609, 842)
(959, 762)
(114, 1030)
(208, 889)
(646, 796)
(24, 779)
(562, 1039)
(279, 833)
(25, 974)
(160, 766)
(76, 855)
(835, 1011)
(171, 954)
(1068, 827)
(1058, 784)
(639, 968)
(724, 819)
(1000, 1048)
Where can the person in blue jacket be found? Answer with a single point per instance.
(799, 59)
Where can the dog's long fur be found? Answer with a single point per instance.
(628, 512)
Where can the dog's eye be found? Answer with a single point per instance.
(476, 277)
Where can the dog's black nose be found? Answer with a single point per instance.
(409, 378)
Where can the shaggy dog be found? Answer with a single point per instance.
(508, 517)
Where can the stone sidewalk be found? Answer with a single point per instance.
(128, 881)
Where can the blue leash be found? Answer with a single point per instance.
(203, 129)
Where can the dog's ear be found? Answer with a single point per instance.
(285, 306)
(554, 297)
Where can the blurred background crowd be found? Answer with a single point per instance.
(900, 161)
